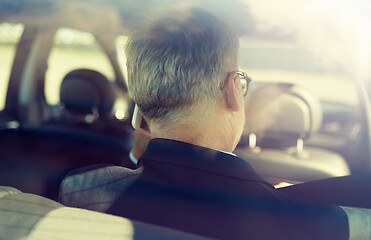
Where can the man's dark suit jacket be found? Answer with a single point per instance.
(128, 163)
(201, 191)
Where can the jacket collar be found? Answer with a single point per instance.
(210, 160)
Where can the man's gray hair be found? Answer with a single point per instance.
(179, 60)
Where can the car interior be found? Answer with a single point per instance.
(280, 117)
(66, 106)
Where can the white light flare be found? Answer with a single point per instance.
(120, 115)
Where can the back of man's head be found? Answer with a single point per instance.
(179, 61)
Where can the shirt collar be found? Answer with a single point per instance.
(133, 159)
(228, 153)
(210, 160)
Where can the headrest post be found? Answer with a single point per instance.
(299, 146)
(252, 140)
(252, 143)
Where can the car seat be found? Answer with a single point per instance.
(86, 96)
(279, 119)
(28, 216)
(83, 132)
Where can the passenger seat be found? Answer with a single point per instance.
(279, 118)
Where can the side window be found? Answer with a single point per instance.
(121, 57)
(10, 35)
(121, 105)
(73, 49)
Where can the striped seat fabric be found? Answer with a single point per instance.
(30, 217)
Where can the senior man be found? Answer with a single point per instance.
(183, 75)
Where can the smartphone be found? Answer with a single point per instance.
(138, 121)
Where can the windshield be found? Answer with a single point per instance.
(289, 62)
(319, 44)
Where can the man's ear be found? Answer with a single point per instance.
(230, 92)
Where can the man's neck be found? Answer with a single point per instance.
(206, 135)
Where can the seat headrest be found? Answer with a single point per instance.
(83, 90)
(282, 112)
